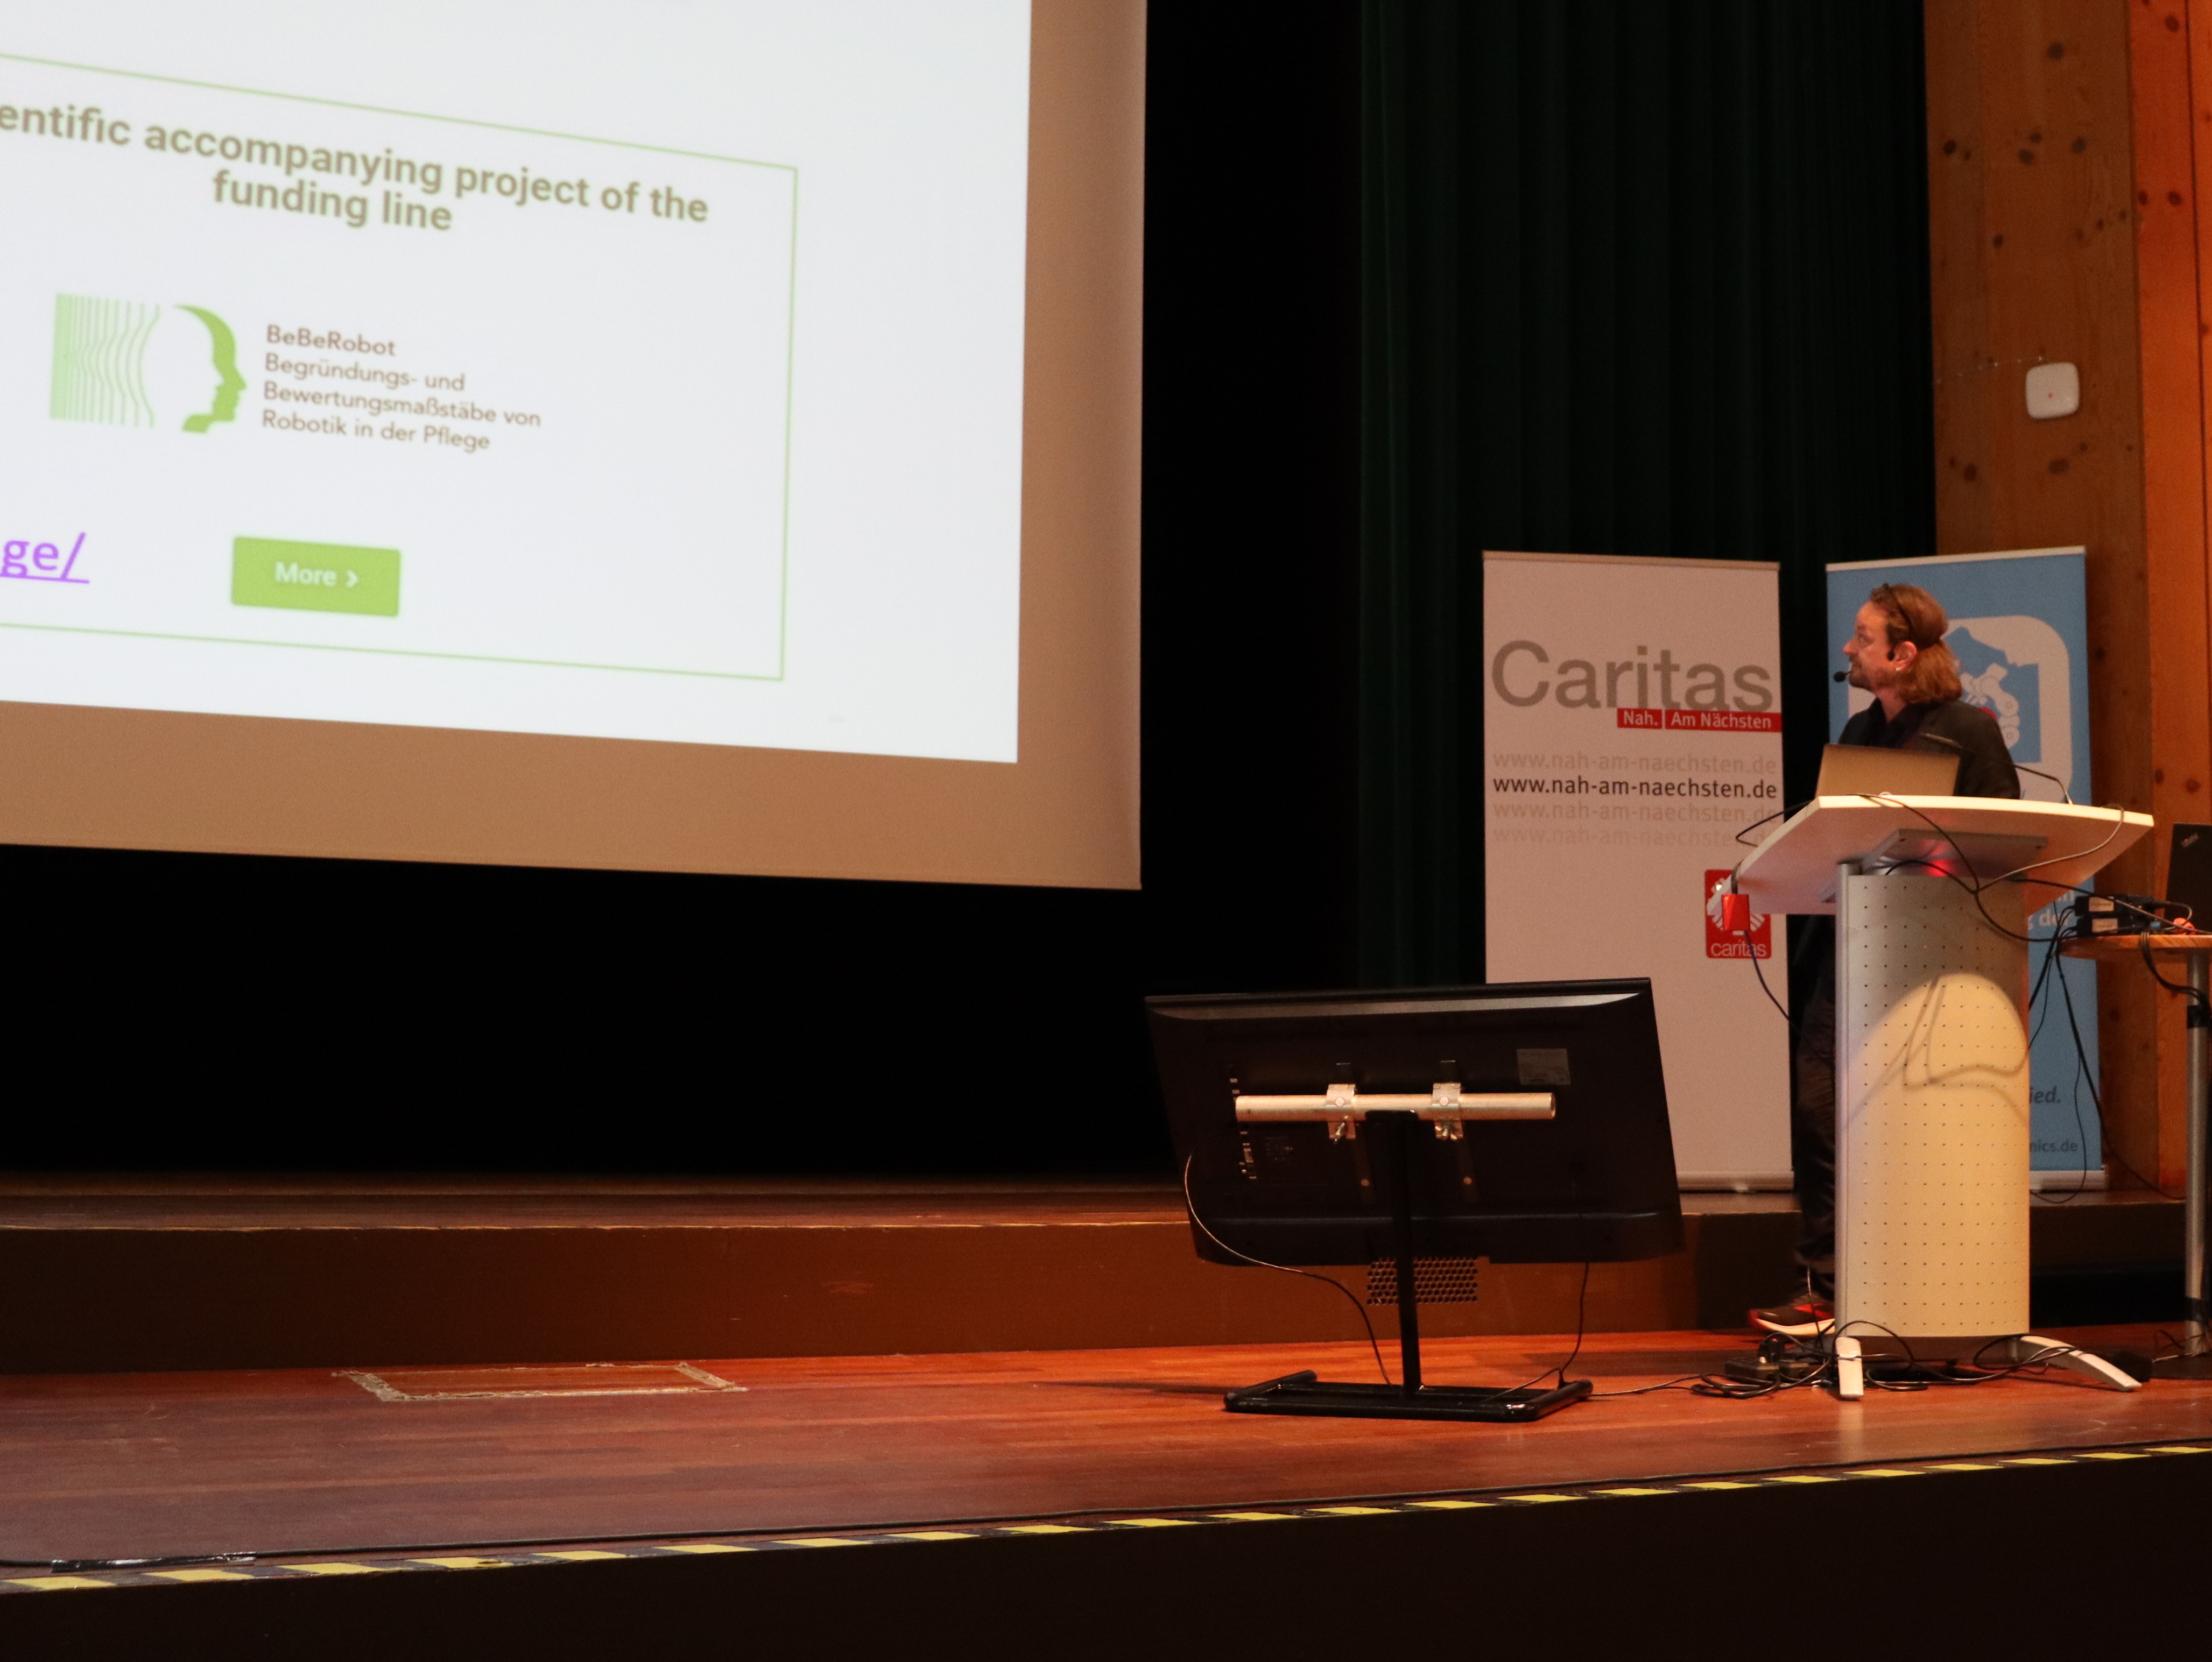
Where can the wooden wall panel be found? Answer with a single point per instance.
(2172, 53)
(2032, 215)
(2066, 141)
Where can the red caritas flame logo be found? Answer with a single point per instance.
(1757, 942)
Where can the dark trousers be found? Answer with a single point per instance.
(1813, 1130)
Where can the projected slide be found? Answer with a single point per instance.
(508, 382)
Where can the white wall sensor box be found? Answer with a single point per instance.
(2053, 389)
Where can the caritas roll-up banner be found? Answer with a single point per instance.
(1632, 717)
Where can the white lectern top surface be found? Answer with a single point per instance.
(1795, 869)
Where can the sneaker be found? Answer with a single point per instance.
(1803, 1320)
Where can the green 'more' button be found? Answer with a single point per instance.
(314, 577)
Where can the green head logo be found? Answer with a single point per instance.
(230, 383)
(99, 363)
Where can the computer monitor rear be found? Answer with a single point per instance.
(1594, 1182)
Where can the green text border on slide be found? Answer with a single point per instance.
(790, 361)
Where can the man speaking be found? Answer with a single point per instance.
(1896, 653)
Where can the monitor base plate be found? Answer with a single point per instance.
(1307, 1393)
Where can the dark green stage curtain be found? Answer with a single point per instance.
(1644, 277)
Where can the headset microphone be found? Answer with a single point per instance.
(1841, 675)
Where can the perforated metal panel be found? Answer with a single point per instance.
(1435, 1281)
(1932, 1088)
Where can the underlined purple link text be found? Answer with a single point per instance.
(41, 562)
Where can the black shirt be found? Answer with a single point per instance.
(1952, 727)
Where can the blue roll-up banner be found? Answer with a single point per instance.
(2020, 626)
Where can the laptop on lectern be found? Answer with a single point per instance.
(1869, 770)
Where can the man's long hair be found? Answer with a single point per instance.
(1917, 615)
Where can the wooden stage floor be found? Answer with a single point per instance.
(305, 1462)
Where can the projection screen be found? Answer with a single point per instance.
(696, 435)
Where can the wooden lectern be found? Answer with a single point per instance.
(1932, 1057)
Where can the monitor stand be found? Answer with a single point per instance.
(1308, 1393)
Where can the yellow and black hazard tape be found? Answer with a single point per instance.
(279, 1567)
